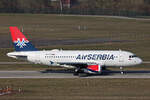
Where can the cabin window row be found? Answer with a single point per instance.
(60, 56)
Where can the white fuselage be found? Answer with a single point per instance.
(65, 57)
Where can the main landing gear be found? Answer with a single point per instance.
(80, 72)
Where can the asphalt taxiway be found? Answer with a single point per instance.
(69, 74)
(66, 74)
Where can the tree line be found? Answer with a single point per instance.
(108, 7)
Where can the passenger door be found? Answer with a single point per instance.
(121, 58)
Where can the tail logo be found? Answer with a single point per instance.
(20, 43)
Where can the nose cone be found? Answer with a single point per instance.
(139, 61)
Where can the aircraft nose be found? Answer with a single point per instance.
(139, 60)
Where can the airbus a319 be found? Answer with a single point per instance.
(83, 62)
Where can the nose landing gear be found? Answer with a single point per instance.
(121, 71)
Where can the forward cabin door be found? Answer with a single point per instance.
(121, 59)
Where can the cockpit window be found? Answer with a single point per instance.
(132, 56)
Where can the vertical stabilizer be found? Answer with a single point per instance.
(20, 41)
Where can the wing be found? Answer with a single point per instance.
(85, 67)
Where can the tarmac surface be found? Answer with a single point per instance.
(69, 74)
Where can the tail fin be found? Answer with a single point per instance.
(20, 41)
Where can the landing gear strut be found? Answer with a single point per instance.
(121, 70)
(76, 71)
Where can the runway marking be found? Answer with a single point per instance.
(14, 63)
(146, 62)
(104, 16)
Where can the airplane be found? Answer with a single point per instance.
(84, 62)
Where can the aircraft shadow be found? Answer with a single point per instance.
(137, 72)
(57, 71)
(105, 72)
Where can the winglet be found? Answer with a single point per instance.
(20, 41)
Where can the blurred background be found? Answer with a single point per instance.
(130, 8)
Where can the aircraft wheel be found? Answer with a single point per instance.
(104, 68)
(75, 74)
(83, 74)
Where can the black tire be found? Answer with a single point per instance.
(104, 68)
(83, 74)
(75, 74)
